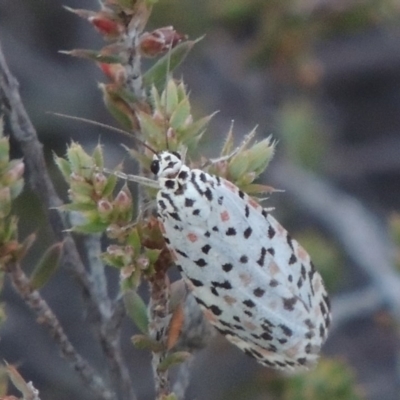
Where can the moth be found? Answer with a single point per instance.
(255, 284)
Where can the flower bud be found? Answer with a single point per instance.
(106, 25)
(99, 183)
(105, 208)
(159, 41)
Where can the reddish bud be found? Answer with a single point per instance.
(143, 262)
(115, 72)
(104, 207)
(159, 41)
(123, 200)
(105, 25)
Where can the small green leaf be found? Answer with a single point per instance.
(173, 359)
(149, 128)
(228, 145)
(137, 310)
(64, 166)
(144, 342)
(118, 107)
(152, 254)
(91, 227)
(238, 166)
(98, 156)
(196, 128)
(134, 241)
(180, 114)
(156, 75)
(46, 267)
(169, 96)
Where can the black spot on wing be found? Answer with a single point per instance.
(243, 259)
(200, 262)
(183, 175)
(230, 232)
(215, 310)
(288, 304)
(208, 194)
(182, 253)
(261, 260)
(189, 202)
(206, 248)
(258, 292)
(303, 271)
(247, 232)
(271, 232)
(286, 331)
(227, 267)
(175, 216)
(289, 241)
(264, 213)
(249, 303)
(273, 283)
(271, 251)
(224, 285)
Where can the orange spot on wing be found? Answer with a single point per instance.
(225, 216)
(273, 268)
(250, 326)
(245, 278)
(229, 300)
(192, 237)
(301, 254)
(293, 351)
(229, 185)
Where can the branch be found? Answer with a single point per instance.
(47, 318)
(25, 134)
(112, 316)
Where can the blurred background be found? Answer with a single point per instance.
(321, 76)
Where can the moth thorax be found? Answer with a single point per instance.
(166, 164)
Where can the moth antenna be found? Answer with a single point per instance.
(105, 126)
(166, 92)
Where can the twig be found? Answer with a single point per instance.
(112, 316)
(158, 307)
(48, 319)
(360, 233)
(25, 134)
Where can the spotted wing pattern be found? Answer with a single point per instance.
(255, 283)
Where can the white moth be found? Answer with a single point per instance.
(254, 283)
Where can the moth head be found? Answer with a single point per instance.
(166, 164)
